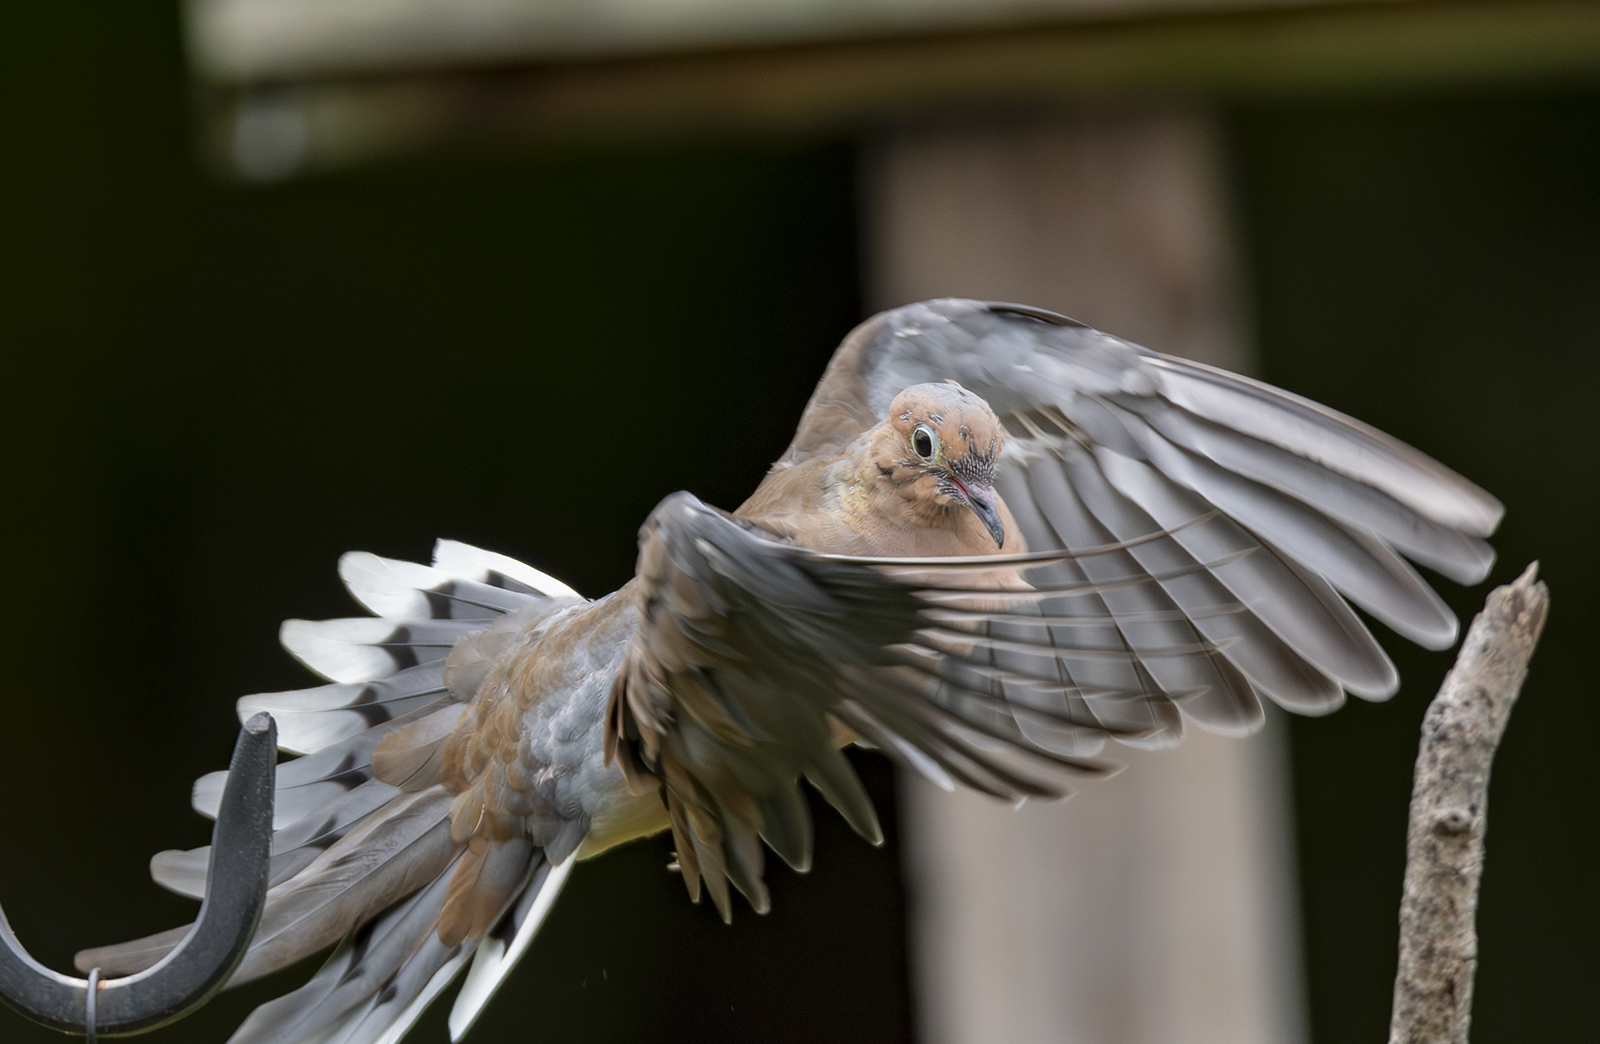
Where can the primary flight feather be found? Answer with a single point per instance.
(998, 538)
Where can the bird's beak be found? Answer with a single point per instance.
(985, 503)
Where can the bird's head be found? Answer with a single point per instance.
(938, 447)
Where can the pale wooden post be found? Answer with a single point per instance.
(1160, 907)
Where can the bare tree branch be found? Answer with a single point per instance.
(1449, 805)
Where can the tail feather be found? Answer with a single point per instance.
(299, 797)
(293, 847)
(407, 591)
(488, 567)
(382, 977)
(315, 807)
(364, 648)
(352, 982)
(489, 874)
(355, 857)
(385, 1021)
(386, 856)
(347, 762)
(500, 950)
(133, 956)
(412, 757)
(392, 853)
(311, 720)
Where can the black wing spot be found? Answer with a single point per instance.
(360, 942)
(506, 583)
(404, 656)
(374, 714)
(351, 778)
(325, 835)
(440, 605)
(1038, 315)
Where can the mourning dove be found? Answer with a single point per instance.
(998, 538)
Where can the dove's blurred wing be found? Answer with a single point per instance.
(1108, 441)
(755, 659)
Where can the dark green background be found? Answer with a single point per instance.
(210, 391)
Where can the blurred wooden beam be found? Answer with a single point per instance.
(850, 84)
(1159, 906)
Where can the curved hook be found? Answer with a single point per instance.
(236, 892)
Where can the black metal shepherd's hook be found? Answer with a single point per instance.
(236, 891)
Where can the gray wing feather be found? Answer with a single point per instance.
(1362, 567)
(1142, 615)
(1322, 502)
(1463, 558)
(1304, 613)
(1208, 565)
(1341, 443)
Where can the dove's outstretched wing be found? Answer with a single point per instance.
(1108, 441)
(1200, 533)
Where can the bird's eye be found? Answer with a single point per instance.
(924, 441)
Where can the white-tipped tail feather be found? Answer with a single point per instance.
(488, 567)
(349, 849)
(502, 948)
